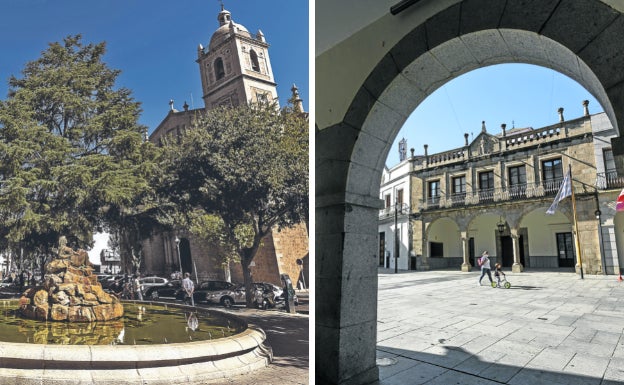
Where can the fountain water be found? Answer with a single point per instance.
(69, 330)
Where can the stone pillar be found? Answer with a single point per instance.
(346, 288)
(466, 266)
(517, 266)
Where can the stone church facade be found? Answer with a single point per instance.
(235, 69)
(492, 195)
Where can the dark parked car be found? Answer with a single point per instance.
(170, 289)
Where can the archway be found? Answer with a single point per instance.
(441, 41)
(185, 256)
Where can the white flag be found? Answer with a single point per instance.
(565, 190)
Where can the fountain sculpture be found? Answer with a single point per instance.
(70, 291)
(55, 353)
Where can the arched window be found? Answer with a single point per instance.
(219, 69)
(254, 61)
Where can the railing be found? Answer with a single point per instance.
(389, 211)
(493, 195)
(609, 180)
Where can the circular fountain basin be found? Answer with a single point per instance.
(196, 361)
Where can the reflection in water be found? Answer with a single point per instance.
(141, 324)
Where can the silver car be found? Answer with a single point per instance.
(227, 297)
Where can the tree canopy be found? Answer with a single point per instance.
(73, 156)
(238, 174)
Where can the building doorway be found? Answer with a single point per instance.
(382, 249)
(185, 256)
(471, 251)
(565, 250)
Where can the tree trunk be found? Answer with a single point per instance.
(249, 294)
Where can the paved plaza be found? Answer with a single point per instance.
(441, 328)
(288, 337)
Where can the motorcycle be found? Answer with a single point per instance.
(264, 299)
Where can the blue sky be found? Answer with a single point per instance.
(519, 95)
(154, 42)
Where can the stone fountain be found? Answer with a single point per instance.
(70, 292)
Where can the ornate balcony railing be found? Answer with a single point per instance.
(388, 212)
(493, 195)
(609, 180)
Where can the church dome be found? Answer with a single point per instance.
(226, 27)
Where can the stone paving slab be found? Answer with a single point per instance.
(549, 328)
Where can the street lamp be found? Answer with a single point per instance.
(177, 241)
(602, 257)
(501, 226)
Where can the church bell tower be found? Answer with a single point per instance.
(235, 67)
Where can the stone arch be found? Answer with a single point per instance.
(452, 241)
(351, 153)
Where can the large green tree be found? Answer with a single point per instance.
(238, 174)
(73, 156)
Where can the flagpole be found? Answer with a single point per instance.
(576, 238)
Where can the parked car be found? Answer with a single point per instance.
(148, 282)
(171, 289)
(226, 297)
(206, 287)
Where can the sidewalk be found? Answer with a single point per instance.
(287, 335)
(548, 328)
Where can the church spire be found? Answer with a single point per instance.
(296, 100)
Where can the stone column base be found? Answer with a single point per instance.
(517, 268)
(466, 267)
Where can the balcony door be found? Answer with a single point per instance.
(486, 186)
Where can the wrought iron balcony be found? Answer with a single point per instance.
(493, 195)
(388, 212)
(609, 180)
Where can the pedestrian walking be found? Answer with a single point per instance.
(484, 262)
(189, 287)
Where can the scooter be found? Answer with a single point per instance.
(265, 299)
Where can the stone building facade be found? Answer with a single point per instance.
(235, 69)
(492, 195)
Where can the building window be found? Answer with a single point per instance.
(255, 65)
(388, 201)
(459, 190)
(399, 197)
(609, 162)
(517, 181)
(552, 175)
(434, 193)
(219, 69)
(486, 186)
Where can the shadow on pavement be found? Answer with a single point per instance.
(287, 335)
(458, 366)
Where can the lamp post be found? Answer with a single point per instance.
(177, 241)
(396, 237)
(602, 256)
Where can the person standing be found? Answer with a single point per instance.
(484, 262)
(136, 288)
(189, 287)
